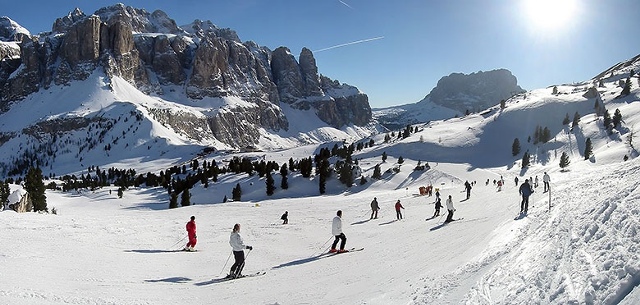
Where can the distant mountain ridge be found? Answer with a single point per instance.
(455, 94)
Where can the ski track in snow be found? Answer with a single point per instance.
(583, 253)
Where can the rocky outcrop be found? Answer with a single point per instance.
(475, 91)
(287, 75)
(11, 31)
(309, 71)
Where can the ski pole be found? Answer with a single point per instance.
(442, 216)
(321, 247)
(225, 263)
(325, 242)
(173, 246)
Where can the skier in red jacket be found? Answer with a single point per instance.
(398, 213)
(191, 232)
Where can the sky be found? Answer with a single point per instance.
(396, 51)
(100, 249)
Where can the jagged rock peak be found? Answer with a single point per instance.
(11, 30)
(310, 75)
(141, 20)
(62, 24)
(201, 29)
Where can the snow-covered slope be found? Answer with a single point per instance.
(146, 132)
(577, 245)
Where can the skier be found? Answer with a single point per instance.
(374, 208)
(336, 230)
(437, 193)
(285, 217)
(535, 184)
(546, 179)
(525, 191)
(191, 233)
(467, 187)
(450, 209)
(499, 185)
(438, 206)
(238, 246)
(398, 207)
(516, 181)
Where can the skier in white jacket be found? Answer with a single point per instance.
(336, 230)
(450, 208)
(238, 246)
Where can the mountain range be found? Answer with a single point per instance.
(122, 81)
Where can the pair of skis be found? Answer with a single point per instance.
(347, 251)
(229, 278)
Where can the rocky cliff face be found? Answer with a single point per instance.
(200, 60)
(474, 92)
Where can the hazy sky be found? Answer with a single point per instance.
(396, 51)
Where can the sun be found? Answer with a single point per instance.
(549, 15)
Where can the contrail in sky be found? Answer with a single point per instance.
(349, 6)
(349, 43)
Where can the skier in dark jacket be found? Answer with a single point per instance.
(467, 187)
(438, 206)
(374, 208)
(525, 191)
(285, 217)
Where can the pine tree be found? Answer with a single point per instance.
(324, 175)
(503, 104)
(185, 199)
(384, 156)
(5, 191)
(564, 160)
(236, 193)
(377, 174)
(525, 159)
(606, 120)
(566, 119)
(270, 184)
(284, 184)
(546, 135)
(576, 120)
(363, 180)
(626, 90)
(173, 201)
(407, 132)
(515, 147)
(617, 118)
(346, 174)
(588, 149)
(554, 90)
(400, 160)
(34, 185)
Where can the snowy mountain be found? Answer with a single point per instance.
(578, 244)
(454, 95)
(122, 81)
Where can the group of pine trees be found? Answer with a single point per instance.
(543, 135)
